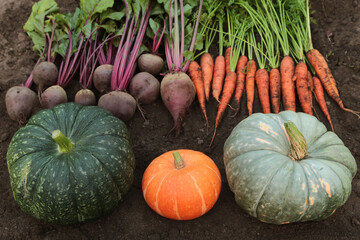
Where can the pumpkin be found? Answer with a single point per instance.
(287, 168)
(70, 164)
(182, 184)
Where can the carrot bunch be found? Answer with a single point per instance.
(258, 33)
(232, 54)
(202, 74)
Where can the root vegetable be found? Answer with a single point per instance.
(196, 76)
(207, 68)
(121, 104)
(53, 96)
(275, 89)
(102, 78)
(85, 97)
(45, 74)
(287, 71)
(177, 92)
(302, 87)
(20, 102)
(144, 87)
(150, 63)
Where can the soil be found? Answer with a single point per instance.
(336, 34)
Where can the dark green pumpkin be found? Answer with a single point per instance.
(82, 184)
(273, 186)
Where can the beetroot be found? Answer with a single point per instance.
(150, 63)
(144, 87)
(177, 92)
(53, 96)
(45, 74)
(20, 102)
(102, 78)
(121, 104)
(85, 97)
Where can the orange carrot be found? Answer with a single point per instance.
(207, 68)
(240, 81)
(250, 84)
(262, 83)
(229, 87)
(322, 69)
(319, 94)
(275, 89)
(219, 75)
(227, 60)
(302, 87)
(196, 76)
(310, 86)
(287, 71)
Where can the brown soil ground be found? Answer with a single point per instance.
(133, 219)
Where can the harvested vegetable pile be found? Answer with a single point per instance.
(195, 112)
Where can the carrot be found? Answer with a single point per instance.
(321, 67)
(262, 83)
(240, 81)
(219, 75)
(195, 74)
(310, 86)
(275, 89)
(302, 87)
(319, 94)
(250, 84)
(287, 71)
(207, 68)
(229, 87)
(227, 60)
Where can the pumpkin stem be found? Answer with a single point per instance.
(64, 144)
(298, 145)
(179, 162)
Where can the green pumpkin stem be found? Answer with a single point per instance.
(64, 144)
(298, 145)
(179, 162)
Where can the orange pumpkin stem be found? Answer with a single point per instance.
(178, 162)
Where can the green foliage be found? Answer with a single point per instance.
(36, 26)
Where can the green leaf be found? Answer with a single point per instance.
(188, 55)
(87, 29)
(109, 26)
(112, 15)
(92, 7)
(39, 11)
(38, 40)
(157, 10)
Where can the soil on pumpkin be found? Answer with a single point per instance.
(336, 34)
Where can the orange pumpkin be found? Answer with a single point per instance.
(182, 184)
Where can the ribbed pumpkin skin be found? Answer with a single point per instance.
(83, 184)
(181, 194)
(274, 188)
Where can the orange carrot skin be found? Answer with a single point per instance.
(275, 89)
(207, 68)
(250, 84)
(195, 74)
(240, 81)
(287, 71)
(227, 60)
(302, 87)
(263, 85)
(319, 93)
(310, 86)
(228, 91)
(219, 75)
(318, 62)
(322, 69)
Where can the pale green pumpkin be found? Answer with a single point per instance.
(70, 164)
(268, 180)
